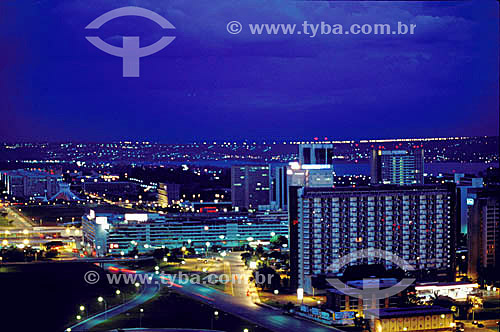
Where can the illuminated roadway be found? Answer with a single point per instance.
(239, 305)
(147, 293)
(242, 306)
(19, 219)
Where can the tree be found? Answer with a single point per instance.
(277, 242)
(266, 278)
(246, 256)
(443, 301)
(411, 298)
(133, 252)
(259, 251)
(158, 254)
(51, 254)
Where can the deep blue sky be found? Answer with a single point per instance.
(208, 84)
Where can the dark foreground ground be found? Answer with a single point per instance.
(47, 298)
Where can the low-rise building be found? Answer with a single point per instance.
(458, 291)
(25, 184)
(350, 298)
(483, 233)
(416, 319)
(168, 193)
(107, 233)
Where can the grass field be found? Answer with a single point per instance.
(45, 297)
(171, 310)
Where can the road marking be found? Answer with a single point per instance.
(231, 275)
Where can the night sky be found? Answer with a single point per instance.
(209, 84)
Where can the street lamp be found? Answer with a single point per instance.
(141, 311)
(216, 316)
(276, 292)
(118, 292)
(183, 250)
(83, 309)
(100, 299)
(208, 245)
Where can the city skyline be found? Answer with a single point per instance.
(282, 140)
(243, 166)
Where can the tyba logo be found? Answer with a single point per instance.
(131, 52)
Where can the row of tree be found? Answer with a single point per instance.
(13, 254)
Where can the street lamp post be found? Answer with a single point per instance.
(83, 309)
(141, 311)
(118, 292)
(215, 316)
(208, 245)
(101, 299)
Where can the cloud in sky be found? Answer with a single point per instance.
(443, 80)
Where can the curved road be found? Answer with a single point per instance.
(146, 294)
(240, 306)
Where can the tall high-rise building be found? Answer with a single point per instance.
(313, 169)
(318, 153)
(464, 184)
(416, 223)
(250, 186)
(400, 167)
(295, 174)
(278, 183)
(483, 232)
(168, 193)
